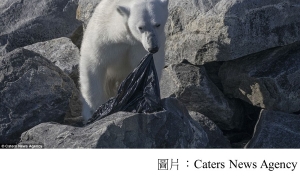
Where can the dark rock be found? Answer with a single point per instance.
(240, 144)
(172, 128)
(77, 36)
(269, 79)
(26, 22)
(219, 30)
(276, 130)
(216, 139)
(32, 91)
(191, 85)
(238, 139)
(75, 106)
(212, 70)
(251, 115)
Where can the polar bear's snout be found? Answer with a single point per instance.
(150, 42)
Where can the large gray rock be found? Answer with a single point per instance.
(65, 55)
(32, 91)
(26, 22)
(85, 10)
(75, 106)
(62, 52)
(276, 130)
(172, 128)
(215, 136)
(220, 30)
(269, 79)
(191, 85)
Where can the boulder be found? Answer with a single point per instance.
(191, 85)
(26, 22)
(219, 30)
(215, 136)
(32, 91)
(269, 79)
(212, 70)
(62, 52)
(77, 36)
(276, 130)
(171, 128)
(75, 106)
(65, 55)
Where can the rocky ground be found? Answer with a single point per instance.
(232, 78)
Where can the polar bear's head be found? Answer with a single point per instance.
(146, 19)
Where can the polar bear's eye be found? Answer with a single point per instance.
(157, 25)
(140, 28)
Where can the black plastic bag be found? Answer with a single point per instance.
(139, 92)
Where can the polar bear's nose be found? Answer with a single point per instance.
(153, 50)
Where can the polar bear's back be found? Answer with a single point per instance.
(108, 6)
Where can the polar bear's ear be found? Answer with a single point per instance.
(165, 2)
(124, 11)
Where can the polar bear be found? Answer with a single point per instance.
(118, 35)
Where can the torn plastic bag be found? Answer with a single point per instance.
(138, 93)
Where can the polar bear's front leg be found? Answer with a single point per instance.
(92, 90)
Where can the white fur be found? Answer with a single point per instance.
(117, 37)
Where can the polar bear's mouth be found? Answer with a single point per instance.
(153, 50)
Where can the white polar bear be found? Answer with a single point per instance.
(118, 35)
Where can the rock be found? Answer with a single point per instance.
(62, 52)
(239, 138)
(269, 79)
(65, 55)
(240, 144)
(77, 36)
(32, 91)
(172, 128)
(212, 70)
(26, 22)
(215, 136)
(276, 130)
(85, 10)
(190, 85)
(219, 30)
(75, 106)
